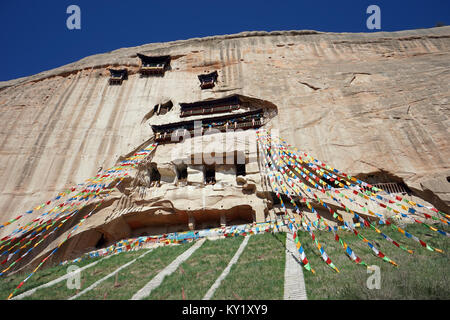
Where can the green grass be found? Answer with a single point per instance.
(60, 291)
(197, 274)
(421, 275)
(132, 279)
(259, 272)
(44, 275)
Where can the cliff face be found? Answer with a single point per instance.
(373, 105)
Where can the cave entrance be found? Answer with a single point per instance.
(155, 176)
(240, 169)
(181, 172)
(101, 242)
(209, 172)
(162, 109)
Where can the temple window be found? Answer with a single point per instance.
(207, 81)
(117, 76)
(154, 65)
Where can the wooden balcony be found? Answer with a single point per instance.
(208, 81)
(207, 85)
(166, 137)
(152, 70)
(208, 110)
(154, 65)
(115, 80)
(117, 76)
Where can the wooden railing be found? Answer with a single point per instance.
(391, 187)
(167, 136)
(207, 84)
(115, 80)
(151, 69)
(202, 111)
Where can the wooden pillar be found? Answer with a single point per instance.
(191, 221)
(223, 220)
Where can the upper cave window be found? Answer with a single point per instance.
(181, 172)
(162, 109)
(154, 65)
(155, 177)
(240, 170)
(209, 174)
(207, 81)
(117, 76)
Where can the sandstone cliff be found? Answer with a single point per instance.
(373, 105)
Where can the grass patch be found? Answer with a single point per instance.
(421, 275)
(9, 283)
(60, 291)
(197, 274)
(130, 280)
(259, 272)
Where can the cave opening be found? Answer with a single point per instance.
(155, 177)
(162, 108)
(209, 172)
(240, 169)
(101, 242)
(181, 172)
(386, 181)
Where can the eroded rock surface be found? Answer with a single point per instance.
(369, 104)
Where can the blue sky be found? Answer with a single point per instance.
(34, 36)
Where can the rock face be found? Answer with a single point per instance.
(373, 105)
